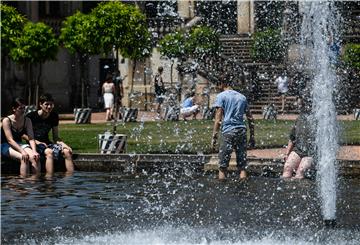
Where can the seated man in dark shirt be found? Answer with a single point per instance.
(43, 121)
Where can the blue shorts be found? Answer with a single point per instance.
(6, 146)
(56, 148)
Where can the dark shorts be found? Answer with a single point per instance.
(56, 148)
(159, 99)
(234, 140)
(5, 147)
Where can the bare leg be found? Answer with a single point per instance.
(49, 163)
(222, 173)
(291, 164)
(24, 169)
(35, 163)
(69, 164)
(305, 164)
(243, 175)
(283, 98)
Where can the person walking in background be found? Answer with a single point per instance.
(189, 107)
(282, 88)
(231, 106)
(159, 91)
(12, 129)
(108, 90)
(119, 92)
(300, 149)
(45, 120)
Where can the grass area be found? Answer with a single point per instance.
(185, 136)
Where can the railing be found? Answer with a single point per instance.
(162, 25)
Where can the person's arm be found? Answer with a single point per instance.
(291, 143)
(217, 123)
(289, 149)
(27, 139)
(121, 89)
(30, 135)
(103, 89)
(251, 125)
(57, 140)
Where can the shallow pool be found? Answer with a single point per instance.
(169, 208)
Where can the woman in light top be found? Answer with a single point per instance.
(108, 90)
(13, 127)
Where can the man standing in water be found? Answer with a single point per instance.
(230, 109)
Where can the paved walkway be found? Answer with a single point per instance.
(345, 152)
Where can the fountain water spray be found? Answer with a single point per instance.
(318, 33)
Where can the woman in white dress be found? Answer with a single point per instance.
(108, 90)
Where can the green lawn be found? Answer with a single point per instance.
(185, 137)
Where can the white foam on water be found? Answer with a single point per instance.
(319, 30)
(168, 235)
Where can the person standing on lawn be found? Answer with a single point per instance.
(159, 91)
(231, 106)
(44, 120)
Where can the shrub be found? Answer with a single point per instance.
(268, 46)
(352, 55)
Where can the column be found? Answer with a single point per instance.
(245, 17)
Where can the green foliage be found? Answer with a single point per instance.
(200, 42)
(172, 45)
(123, 26)
(79, 33)
(268, 46)
(36, 44)
(352, 55)
(203, 41)
(136, 43)
(11, 25)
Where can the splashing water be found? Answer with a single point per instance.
(318, 33)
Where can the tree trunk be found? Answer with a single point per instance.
(145, 94)
(132, 82)
(37, 82)
(171, 73)
(29, 78)
(82, 79)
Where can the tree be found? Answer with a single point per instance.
(268, 46)
(79, 34)
(203, 41)
(12, 24)
(36, 45)
(172, 45)
(123, 28)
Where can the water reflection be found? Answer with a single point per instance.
(108, 208)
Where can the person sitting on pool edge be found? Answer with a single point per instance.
(12, 128)
(44, 120)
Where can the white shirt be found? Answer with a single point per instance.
(282, 84)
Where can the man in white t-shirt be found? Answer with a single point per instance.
(282, 83)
